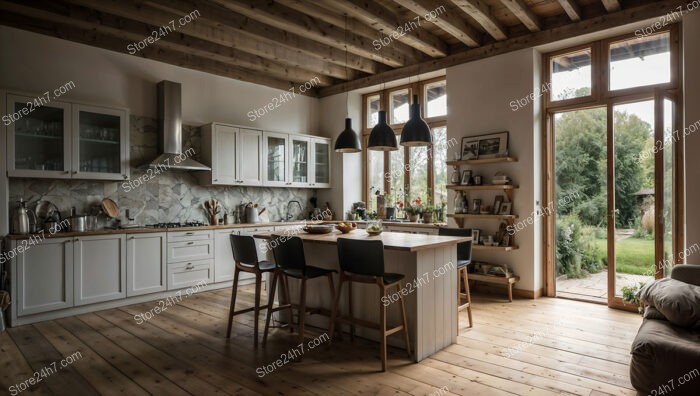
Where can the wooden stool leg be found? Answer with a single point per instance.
(256, 325)
(352, 326)
(465, 279)
(285, 290)
(510, 292)
(234, 291)
(336, 306)
(302, 309)
(332, 287)
(382, 324)
(270, 303)
(405, 321)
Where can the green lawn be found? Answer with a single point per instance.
(634, 256)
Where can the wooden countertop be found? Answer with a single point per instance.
(391, 240)
(145, 230)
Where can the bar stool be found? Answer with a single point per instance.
(246, 257)
(363, 262)
(464, 258)
(291, 262)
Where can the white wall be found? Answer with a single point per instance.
(478, 100)
(37, 63)
(346, 168)
(691, 92)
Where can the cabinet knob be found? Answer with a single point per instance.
(216, 180)
(67, 172)
(132, 237)
(189, 233)
(189, 266)
(190, 243)
(125, 177)
(77, 240)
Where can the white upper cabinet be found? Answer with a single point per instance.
(276, 158)
(62, 140)
(321, 162)
(234, 154)
(300, 164)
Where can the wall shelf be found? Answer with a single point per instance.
(482, 161)
(495, 248)
(482, 187)
(481, 216)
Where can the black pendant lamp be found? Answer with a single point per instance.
(416, 131)
(349, 140)
(382, 137)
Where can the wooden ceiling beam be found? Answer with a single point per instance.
(353, 25)
(611, 5)
(221, 18)
(384, 21)
(134, 31)
(448, 21)
(219, 34)
(593, 24)
(572, 9)
(111, 43)
(481, 13)
(301, 24)
(524, 14)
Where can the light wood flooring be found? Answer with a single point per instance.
(528, 347)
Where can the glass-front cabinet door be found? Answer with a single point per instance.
(276, 149)
(321, 163)
(300, 164)
(39, 137)
(100, 143)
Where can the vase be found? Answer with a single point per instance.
(391, 213)
(428, 217)
(381, 206)
(413, 218)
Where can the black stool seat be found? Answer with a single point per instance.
(390, 278)
(463, 263)
(464, 260)
(265, 266)
(309, 272)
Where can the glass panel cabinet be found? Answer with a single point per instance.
(300, 163)
(61, 140)
(321, 162)
(276, 148)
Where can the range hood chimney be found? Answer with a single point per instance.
(170, 131)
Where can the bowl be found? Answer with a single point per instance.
(318, 229)
(345, 229)
(374, 233)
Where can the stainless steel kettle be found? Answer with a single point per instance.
(20, 221)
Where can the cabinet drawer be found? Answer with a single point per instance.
(182, 236)
(190, 273)
(250, 231)
(190, 250)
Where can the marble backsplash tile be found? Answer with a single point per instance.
(169, 197)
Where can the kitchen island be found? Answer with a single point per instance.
(430, 286)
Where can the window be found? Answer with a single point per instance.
(640, 61)
(571, 75)
(412, 172)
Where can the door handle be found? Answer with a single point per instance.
(189, 233)
(189, 266)
(190, 243)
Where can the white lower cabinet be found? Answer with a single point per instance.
(146, 263)
(44, 275)
(224, 265)
(190, 273)
(190, 258)
(99, 272)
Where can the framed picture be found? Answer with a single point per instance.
(470, 148)
(475, 236)
(493, 145)
(466, 177)
(476, 206)
(497, 204)
(506, 208)
(505, 241)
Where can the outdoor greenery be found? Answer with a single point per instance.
(581, 168)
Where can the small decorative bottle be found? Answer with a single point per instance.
(458, 202)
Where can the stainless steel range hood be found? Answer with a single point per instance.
(170, 131)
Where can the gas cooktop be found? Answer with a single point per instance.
(177, 225)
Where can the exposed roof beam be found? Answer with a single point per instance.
(382, 19)
(590, 25)
(220, 18)
(572, 9)
(326, 15)
(97, 39)
(448, 21)
(479, 10)
(611, 5)
(134, 31)
(524, 13)
(301, 24)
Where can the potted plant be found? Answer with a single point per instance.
(428, 213)
(631, 294)
(415, 209)
(390, 212)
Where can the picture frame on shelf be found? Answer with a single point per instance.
(475, 236)
(505, 241)
(506, 208)
(476, 206)
(497, 201)
(470, 148)
(466, 178)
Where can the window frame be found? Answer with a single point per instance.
(417, 88)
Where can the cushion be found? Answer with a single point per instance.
(653, 313)
(678, 301)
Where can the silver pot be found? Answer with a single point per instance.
(78, 223)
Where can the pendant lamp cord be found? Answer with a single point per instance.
(347, 74)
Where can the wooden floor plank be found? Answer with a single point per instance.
(106, 379)
(527, 347)
(41, 356)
